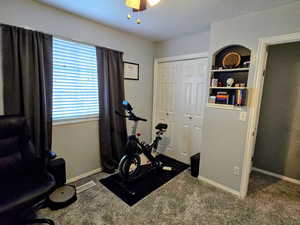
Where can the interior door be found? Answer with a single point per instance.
(166, 105)
(192, 100)
(180, 104)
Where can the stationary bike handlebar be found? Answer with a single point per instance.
(131, 115)
(119, 114)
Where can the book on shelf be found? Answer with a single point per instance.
(241, 97)
(212, 99)
(238, 98)
(222, 98)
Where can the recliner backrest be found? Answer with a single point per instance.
(16, 149)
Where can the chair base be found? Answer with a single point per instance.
(38, 221)
(26, 217)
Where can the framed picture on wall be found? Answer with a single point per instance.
(131, 71)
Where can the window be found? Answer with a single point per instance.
(75, 80)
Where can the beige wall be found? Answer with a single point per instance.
(187, 44)
(78, 143)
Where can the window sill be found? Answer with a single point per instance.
(74, 121)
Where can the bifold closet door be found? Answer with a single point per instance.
(192, 101)
(167, 111)
(180, 103)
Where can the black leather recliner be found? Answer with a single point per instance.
(24, 181)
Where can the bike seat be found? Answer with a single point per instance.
(161, 126)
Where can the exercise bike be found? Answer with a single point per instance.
(130, 164)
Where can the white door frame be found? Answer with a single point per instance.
(257, 92)
(155, 78)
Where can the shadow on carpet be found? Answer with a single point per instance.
(134, 191)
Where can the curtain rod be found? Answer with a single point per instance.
(61, 37)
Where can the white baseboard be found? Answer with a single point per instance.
(89, 173)
(281, 177)
(220, 186)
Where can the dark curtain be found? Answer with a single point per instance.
(112, 128)
(27, 81)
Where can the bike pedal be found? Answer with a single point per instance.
(167, 168)
(131, 193)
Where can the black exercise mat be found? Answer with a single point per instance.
(146, 184)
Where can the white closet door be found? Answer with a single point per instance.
(166, 105)
(180, 104)
(192, 100)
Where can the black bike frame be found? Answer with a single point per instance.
(135, 146)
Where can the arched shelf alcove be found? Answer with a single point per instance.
(228, 84)
(244, 52)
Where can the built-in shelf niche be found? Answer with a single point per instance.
(239, 74)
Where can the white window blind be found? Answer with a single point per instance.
(75, 80)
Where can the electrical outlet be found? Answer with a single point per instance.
(236, 171)
(243, 116)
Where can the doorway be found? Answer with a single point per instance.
(277, 148)
(257, 95)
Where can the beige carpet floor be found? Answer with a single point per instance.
(186, 200)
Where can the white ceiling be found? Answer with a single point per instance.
(169, 19)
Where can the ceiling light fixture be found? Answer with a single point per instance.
(153, 2)
(134, 4)
(138, 6)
